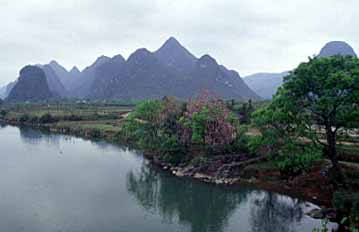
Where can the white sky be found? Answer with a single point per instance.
(246, 35)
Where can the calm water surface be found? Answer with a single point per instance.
(53, 183)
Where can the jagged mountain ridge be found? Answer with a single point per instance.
(171, 70)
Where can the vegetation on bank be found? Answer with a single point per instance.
(309, 131)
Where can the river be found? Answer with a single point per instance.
(53, 183)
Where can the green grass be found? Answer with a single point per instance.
(105, 125)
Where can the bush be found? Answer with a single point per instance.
(172, 150)
(293, 159)
(24, 118)
(3, 113)
(72, 117)
(346, 202)
(47, 118)
(94, 133)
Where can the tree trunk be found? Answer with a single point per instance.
(331, 146)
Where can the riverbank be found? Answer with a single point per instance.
(230, 170)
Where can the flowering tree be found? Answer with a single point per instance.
(208, 121)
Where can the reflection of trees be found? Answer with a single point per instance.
(29, 135)
(272, 212)
(106, 146)
(36, 136)
(203, 207)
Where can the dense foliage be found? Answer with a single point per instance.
(316, 100)
(174, 128)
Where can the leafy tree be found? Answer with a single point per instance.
(143, 124)
(319, 97)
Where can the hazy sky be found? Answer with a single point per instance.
(247, 35)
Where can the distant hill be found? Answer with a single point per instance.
(31, 86)
(265, 84)
(3, 92)
(337, 48)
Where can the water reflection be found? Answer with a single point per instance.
(206, 207)
(202, 207)
(272, 212)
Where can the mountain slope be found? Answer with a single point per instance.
(31, 86)
(142, 76)
(81, 87)
(265, 84)
(3, 92)
(53, 81)
(209, 75)
(61, 72)
(174, 55)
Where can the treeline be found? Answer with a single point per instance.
(179, 131)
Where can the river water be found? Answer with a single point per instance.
(53, 183)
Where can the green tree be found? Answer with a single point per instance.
(318, 98)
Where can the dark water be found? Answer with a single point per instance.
(61, 183)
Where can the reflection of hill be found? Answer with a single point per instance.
(203, 207)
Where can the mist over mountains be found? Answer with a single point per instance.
(169, 71)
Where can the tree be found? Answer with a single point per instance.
(208, 121)
(319, 97)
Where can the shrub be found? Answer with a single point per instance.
(72, 117)
(3, 113)
(172, 149)
(346, 202)
(24, 118)
(294, 159)
(94, 133)
(47, 118)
